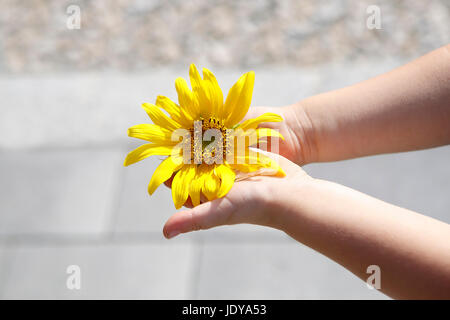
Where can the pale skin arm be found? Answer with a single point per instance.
(406, 109)
(351, 228)
(355, 230)
(402, 110)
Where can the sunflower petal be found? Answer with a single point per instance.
(159, 118)
(201, 91)
(176, 113)
(215, 93)
(239, 98)
(146, 150)
(186, 98)
(273, 169)
(211, 184)
(195, 188)
(271, 164)
(195, 78)
(163, 172)
(266, 117)
(167, 104)
(150, 132)
(261, 136)
(227, 177)
(267, 132)
(180, 185)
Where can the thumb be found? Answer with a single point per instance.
(230, 209)
(207, 215)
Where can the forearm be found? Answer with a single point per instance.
(355, 230)
(405, 109)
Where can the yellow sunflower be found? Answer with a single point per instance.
(198, 167)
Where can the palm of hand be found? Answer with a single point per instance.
(247, 202)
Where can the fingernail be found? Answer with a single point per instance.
(173, 234)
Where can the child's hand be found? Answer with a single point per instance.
(296, 129)
(406, 109)
(249, 201)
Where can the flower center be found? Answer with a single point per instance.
(208, 141)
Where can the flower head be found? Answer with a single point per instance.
(203, 137)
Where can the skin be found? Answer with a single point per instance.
(405, 109)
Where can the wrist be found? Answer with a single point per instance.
(301, 128)
(288, 200)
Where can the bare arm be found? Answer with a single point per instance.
(353, 229)
(405, 109)
(356, 230)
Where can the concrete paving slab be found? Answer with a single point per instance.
(138, 211)
(58, 191)
(139, 271)
(275, 271)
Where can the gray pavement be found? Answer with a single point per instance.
(65, 198)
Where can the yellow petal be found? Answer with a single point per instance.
(163, 172)
(176, 113)
(150, 132)
(168, 105)
(159, 118)
(251, 158)
(195, 188)
(211, 184)
(180, 185)
(215, 93)
(239, 98)
(260, 136)
(195, 78)
(227, 177)
(146, 150)
(186, 98)
(258, 161)
(278, 171)
(256, 134)
(246, 167)
(266, 117)
(267, 132)
(201, 91)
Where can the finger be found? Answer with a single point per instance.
(205, 216)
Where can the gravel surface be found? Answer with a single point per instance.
(138, 34)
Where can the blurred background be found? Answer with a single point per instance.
(68, 95)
